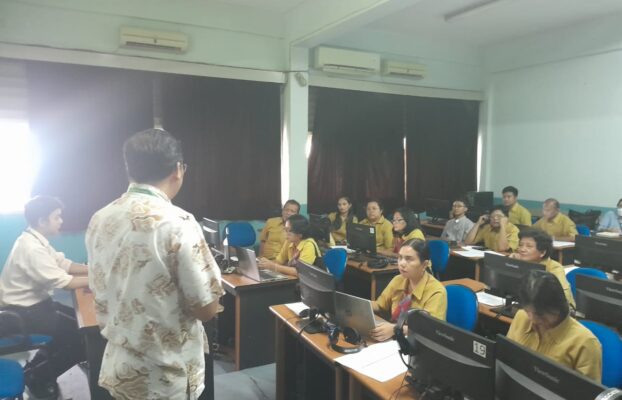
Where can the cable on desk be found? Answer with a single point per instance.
(397, 391)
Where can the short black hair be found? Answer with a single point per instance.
(300, 225)
(420, 247)
(151, 155)
(292, 202)
(463, 200)
(380, 206)
(510, 189)
(40, 207)
(412, 222)
(552, 201)
(544, 242)
(501, 208)
(543, 292)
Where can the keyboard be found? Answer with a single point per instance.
(267, 275)
(509, 312)
(363, 258)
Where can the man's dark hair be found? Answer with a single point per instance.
(552, 201)
(542, 291)
(151, 155)
(380, 205)
(462, 199)
(510, 189)
(40, 207)
(543, 240)
(300, 225)
(292, 202)
(501, 208)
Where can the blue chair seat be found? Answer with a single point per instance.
(335, 260)
(439, 256)
(583, 230)
(612, 352)
(570, 276)
(240, 234)
(462, 307)
(17, 340)
(11, 379)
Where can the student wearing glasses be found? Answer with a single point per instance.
(384, 229)
(405, 227)
(612, 220)
(495, 231)
(458, 227)
(341, 218)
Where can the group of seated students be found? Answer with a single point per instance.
(545, 324)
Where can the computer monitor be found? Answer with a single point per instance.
(437, 208)
(361, 238)
(211, 231)
(320, 226)
(522, 374)
(599, 300)
(483, 200)
(445, 357)
(605, 254)
(317, 291)
(503, 275)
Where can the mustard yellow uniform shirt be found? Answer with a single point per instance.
(491, 238)
(429, 295)
(307, 249)
(556, 269)
(273, 236)
(570, 344)
(398, 241)
(340, 234)
(519, 215)
(384, 233)
(561, 225)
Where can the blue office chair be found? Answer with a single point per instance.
(570, 276)
(240, 234)
(612, 352)
(462, 307)
(534, 219)
(583, 230)
(439, 256)
(335, 260)
(11, 379)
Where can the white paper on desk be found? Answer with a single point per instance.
(379, 361)
(559, 243)
(608, 234)
(468, 252)
(349, 251)
(297, 307)
(569, 268)
(489, 299)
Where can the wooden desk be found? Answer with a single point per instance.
(430, 228)
(323, 377)
(365, 282)
(246, 318)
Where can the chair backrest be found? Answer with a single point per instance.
(583, 230)
(335, 260)
(11, 379)
(439, 256)
(611, 343)
(240, 234)
(13, 337)
(570, 276)
(588, 218)
(462, 307)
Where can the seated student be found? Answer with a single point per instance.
(414, 287)
(384, 229)
(517, 214)
(545, 326)
(495, 231)
(457, 228)
(272, 235)
(536, 246)
(556, 224)
(612, 220)
(405, 227)
(32, 270)
(298, 246)
(340, 218)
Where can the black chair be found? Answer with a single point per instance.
(588, 218)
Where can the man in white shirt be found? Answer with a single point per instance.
(32, 270)
(153, 277)
(457, 228)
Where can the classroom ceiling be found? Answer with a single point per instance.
(275, 6)
(497, 22)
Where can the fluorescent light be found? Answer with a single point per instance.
(470, 10)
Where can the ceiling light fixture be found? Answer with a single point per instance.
(470, 10)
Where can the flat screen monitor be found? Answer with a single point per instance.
(447, 358)
(605, 254)
(599, 300)
(361, 238)
(522, 374)
(320, 226)
(437, 208)
(482, 200)
(504, 275)
(317, 288)
(211, 231)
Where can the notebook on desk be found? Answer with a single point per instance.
(247, 266)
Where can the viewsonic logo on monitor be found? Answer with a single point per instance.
(445, 336)
(546, 374)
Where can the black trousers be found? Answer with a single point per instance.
(66, 348)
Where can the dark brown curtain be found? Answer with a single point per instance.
(357, 149)
(81, 115)
(441, 151)
(230, 132)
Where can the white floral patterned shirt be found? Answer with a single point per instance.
(149, 265)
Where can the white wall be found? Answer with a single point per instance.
(553, 118)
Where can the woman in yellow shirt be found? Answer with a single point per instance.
(405, 227)
(384, 230)
(414, 287)
(544, 325)
(299, 245)
(536, 246)
(340, 218)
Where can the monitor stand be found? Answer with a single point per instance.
(508, 310)
(312, 325)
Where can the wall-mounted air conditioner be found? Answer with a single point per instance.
(348, 62)
(403, 70)
(137, 38)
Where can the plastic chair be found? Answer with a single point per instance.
(570, 276)
(439, 256)
(11, 379)
(583, 230)
(462, 307)
(335, 260)
(240, 234)
(611, 344)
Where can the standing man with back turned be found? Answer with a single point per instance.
(153, 277)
